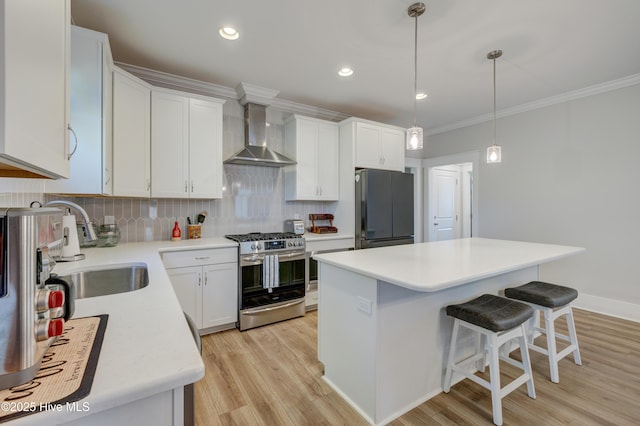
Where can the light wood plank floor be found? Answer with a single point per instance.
(271, 376)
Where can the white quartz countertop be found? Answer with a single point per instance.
(148, 347)
(434, 266)
(310, 236)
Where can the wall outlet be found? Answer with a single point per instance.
(364, 305)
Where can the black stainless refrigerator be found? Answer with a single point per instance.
(384, 208)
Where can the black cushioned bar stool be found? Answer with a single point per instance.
(553, 300)
(497, 320)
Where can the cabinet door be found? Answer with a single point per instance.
(205, 149)
(169, 145)
(187, 284)
(131, 136)
(392, 149)
(220, 295)
(368, 146)
(89, 112)
(328, 162)
(34, 64)
(307, 160)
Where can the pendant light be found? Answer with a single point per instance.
(415, 133)
(494, 152)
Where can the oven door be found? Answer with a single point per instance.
(291, 284)
(260, 306)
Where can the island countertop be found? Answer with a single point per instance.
(435, 266)
(382, 323)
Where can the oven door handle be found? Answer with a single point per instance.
(255, 259)
(274, 308)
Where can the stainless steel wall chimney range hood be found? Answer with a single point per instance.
(255, 151)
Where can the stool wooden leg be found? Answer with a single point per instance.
(534, 325)
(494, 373)
(551, 344)
(452, 351)
(480, 349)
(573, 337)
(526, 362)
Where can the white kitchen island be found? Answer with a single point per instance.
(382, 328)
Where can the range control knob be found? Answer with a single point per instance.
(49, 299)
(48, 328)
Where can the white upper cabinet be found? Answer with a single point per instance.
(205, 148)
(313, 143)
(91, 111)
(131, 135)
(186, 145)
(378, 146)
(34, 74)
(169, 145)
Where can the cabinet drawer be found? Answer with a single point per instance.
(179, 259)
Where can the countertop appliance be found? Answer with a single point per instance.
(31, 299)
(294, 225)
(271, 277)
(384, 208)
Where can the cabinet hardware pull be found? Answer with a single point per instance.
(75, 137)
(148, 184)
(192, 186)
(202, 257)
(106, 171)
(199, 280)
(205, 279)
(185, 186)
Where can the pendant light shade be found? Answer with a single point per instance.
(494, 151)
(494, 154)
(415, 138)
(415, 133)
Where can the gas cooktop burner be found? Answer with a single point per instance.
(272, 242)
(260, 236)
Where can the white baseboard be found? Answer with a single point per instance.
(611, 307)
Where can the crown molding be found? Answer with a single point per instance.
(250, 93)
(244, 91)
(542, 103)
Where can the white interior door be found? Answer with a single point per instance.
(444, 205)
(467, 164)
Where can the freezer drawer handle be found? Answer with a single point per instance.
(275, 308)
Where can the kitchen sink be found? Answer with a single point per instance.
(110, 280)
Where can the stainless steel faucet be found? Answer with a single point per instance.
(91, 233)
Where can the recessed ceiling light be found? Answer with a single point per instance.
(345, 72)
(229, 33)
(421, 95)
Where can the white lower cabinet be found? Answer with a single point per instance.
(206, 285)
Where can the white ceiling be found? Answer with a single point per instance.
(296, 47)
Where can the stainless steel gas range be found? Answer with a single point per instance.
(271, 277)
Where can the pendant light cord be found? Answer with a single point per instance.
(415, 71)
(494, 101)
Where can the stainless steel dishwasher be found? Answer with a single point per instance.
(189, 400)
